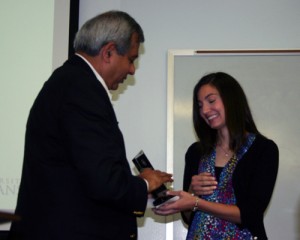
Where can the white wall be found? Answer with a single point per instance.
(196, 24)
(34, 40)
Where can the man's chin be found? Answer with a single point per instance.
(114, 87)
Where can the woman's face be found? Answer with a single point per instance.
(211, 107)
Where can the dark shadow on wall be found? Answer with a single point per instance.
(73, 24)
(298, 220)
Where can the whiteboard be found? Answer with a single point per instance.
(271, 81)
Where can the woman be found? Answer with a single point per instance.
(231, 171)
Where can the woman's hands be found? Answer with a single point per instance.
(203, 184)
(186, 201)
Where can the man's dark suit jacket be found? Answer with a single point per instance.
(76, 181)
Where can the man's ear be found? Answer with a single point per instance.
(107, 51)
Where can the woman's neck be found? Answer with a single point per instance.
(223, 139)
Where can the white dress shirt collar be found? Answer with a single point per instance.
(97, 76)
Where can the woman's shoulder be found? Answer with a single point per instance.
(193, 152)
(264, 142)
(262, 151)
(194, 148)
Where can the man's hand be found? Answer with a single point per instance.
(155, 178)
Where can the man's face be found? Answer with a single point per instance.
(122, 65)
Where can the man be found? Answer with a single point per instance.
(76, 181)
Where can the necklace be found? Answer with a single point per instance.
(225, 152)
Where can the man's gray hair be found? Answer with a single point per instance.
(112, 26)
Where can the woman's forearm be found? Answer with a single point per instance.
(227, 212)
